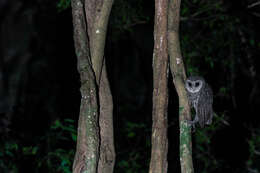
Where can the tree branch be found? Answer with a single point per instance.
(253, 4)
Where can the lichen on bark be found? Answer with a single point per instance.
(87, 151)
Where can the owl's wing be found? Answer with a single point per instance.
(205, 111)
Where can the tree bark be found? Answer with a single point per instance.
(107, 150)
(179, 77)
(95, 147)
(87, 151)
(97, 15)
(158, 163)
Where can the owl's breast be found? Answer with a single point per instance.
(194, 98)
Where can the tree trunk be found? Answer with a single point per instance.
(95, 147)
(179, 77)
(107, 150)
(87, 151)
(97, 15)
(158, 163)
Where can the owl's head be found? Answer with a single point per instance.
(194, 84)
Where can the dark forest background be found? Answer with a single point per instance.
(39, 84)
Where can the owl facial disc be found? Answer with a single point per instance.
(194, 86)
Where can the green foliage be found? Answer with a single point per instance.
(63, 5)
(66, 127)
(202, 140)
(131, 13)
(8, 150)
(49, 152)
(254, 148)
(60, 159)
(125, 15)
(30, 150)
(133, 157)
(130, 128)
(207, 32)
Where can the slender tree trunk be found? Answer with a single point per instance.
(158, 163)
(179, 77)
(107, 150)
(97, 15)
(87, 152)
(95, 147)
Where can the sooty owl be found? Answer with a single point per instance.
(200, 97)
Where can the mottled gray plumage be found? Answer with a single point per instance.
(200, 97)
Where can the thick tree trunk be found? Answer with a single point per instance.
(179, 77)
(158, 163)
(95, 147)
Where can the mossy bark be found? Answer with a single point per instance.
(95, 126)
(158, 163)
(179, 77)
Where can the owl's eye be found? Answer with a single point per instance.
(197, 84)
(189, 83)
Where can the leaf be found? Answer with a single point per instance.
(69, 120)
(131, 135)
(34, 150)
(63, 5)
(57, 124)
(74, 137)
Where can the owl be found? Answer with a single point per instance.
(200, 97)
